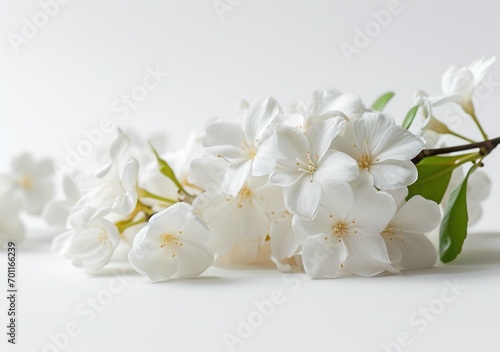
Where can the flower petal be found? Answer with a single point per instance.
(302, 198)
(321, 134)
(417, 251)
(393, 174)
(322, 257)
(371, 210)
(398, 143)
(235, 178)
(367, 255)
(336, 167)
(193, 259)
(418, 215)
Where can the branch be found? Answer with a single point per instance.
(485, 148)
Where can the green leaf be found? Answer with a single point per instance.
(453, 229)
(410, 116)
(434, 174)
(166, 170)
(382, 101)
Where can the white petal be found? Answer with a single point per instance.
(157, 265)
(336, 167)
(338, 200)
(302, 198)
(321, 134)
(206, 173)
(458, 81)
(323, 257)
(264, 160)
(224, 138)
(392, 174)
(258, 118)
(236, 175)
(399, 195)
(284, 242)
(417, 251)
(321, 224)
(284, 176)
(370, 128)
(480, 68)
(418, 215)
(193, 259)
(367, 255)
(291, 143)
(372, 210)
(398, 143)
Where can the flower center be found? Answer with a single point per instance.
(245, 195)
(26, 182)
(308, 167)
(170, 241)
(365, 162)
(340, 229)
(391, 233)
(103, 236)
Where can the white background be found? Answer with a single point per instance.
(65, 79)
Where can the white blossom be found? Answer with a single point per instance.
(306, 165)
(239, 145)
(344, 237)
(30, 181)
(408, 246)
(173, 243)
(114, 187)
(233, 219)
(90, 242)
(383, 151)
(459, 83)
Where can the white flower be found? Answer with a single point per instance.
(233, 219)
(31, 182)
(324, 104)
(239, 145)
(11, 227)
(173, 243)
(56, 212)
(306, 165)
(327, 103)
(459, 83)
(344, 237)
(286, 244)
(91, 242)
(408, 246)
(382, 150)
(114, 187)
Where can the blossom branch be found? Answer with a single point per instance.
(485, 148)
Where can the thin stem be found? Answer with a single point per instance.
(472, 114)
(461, 137)
(124, 226)
(485, 148)
(146, 194)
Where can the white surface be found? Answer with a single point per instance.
(64, 80)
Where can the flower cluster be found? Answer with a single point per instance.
(328, 186)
